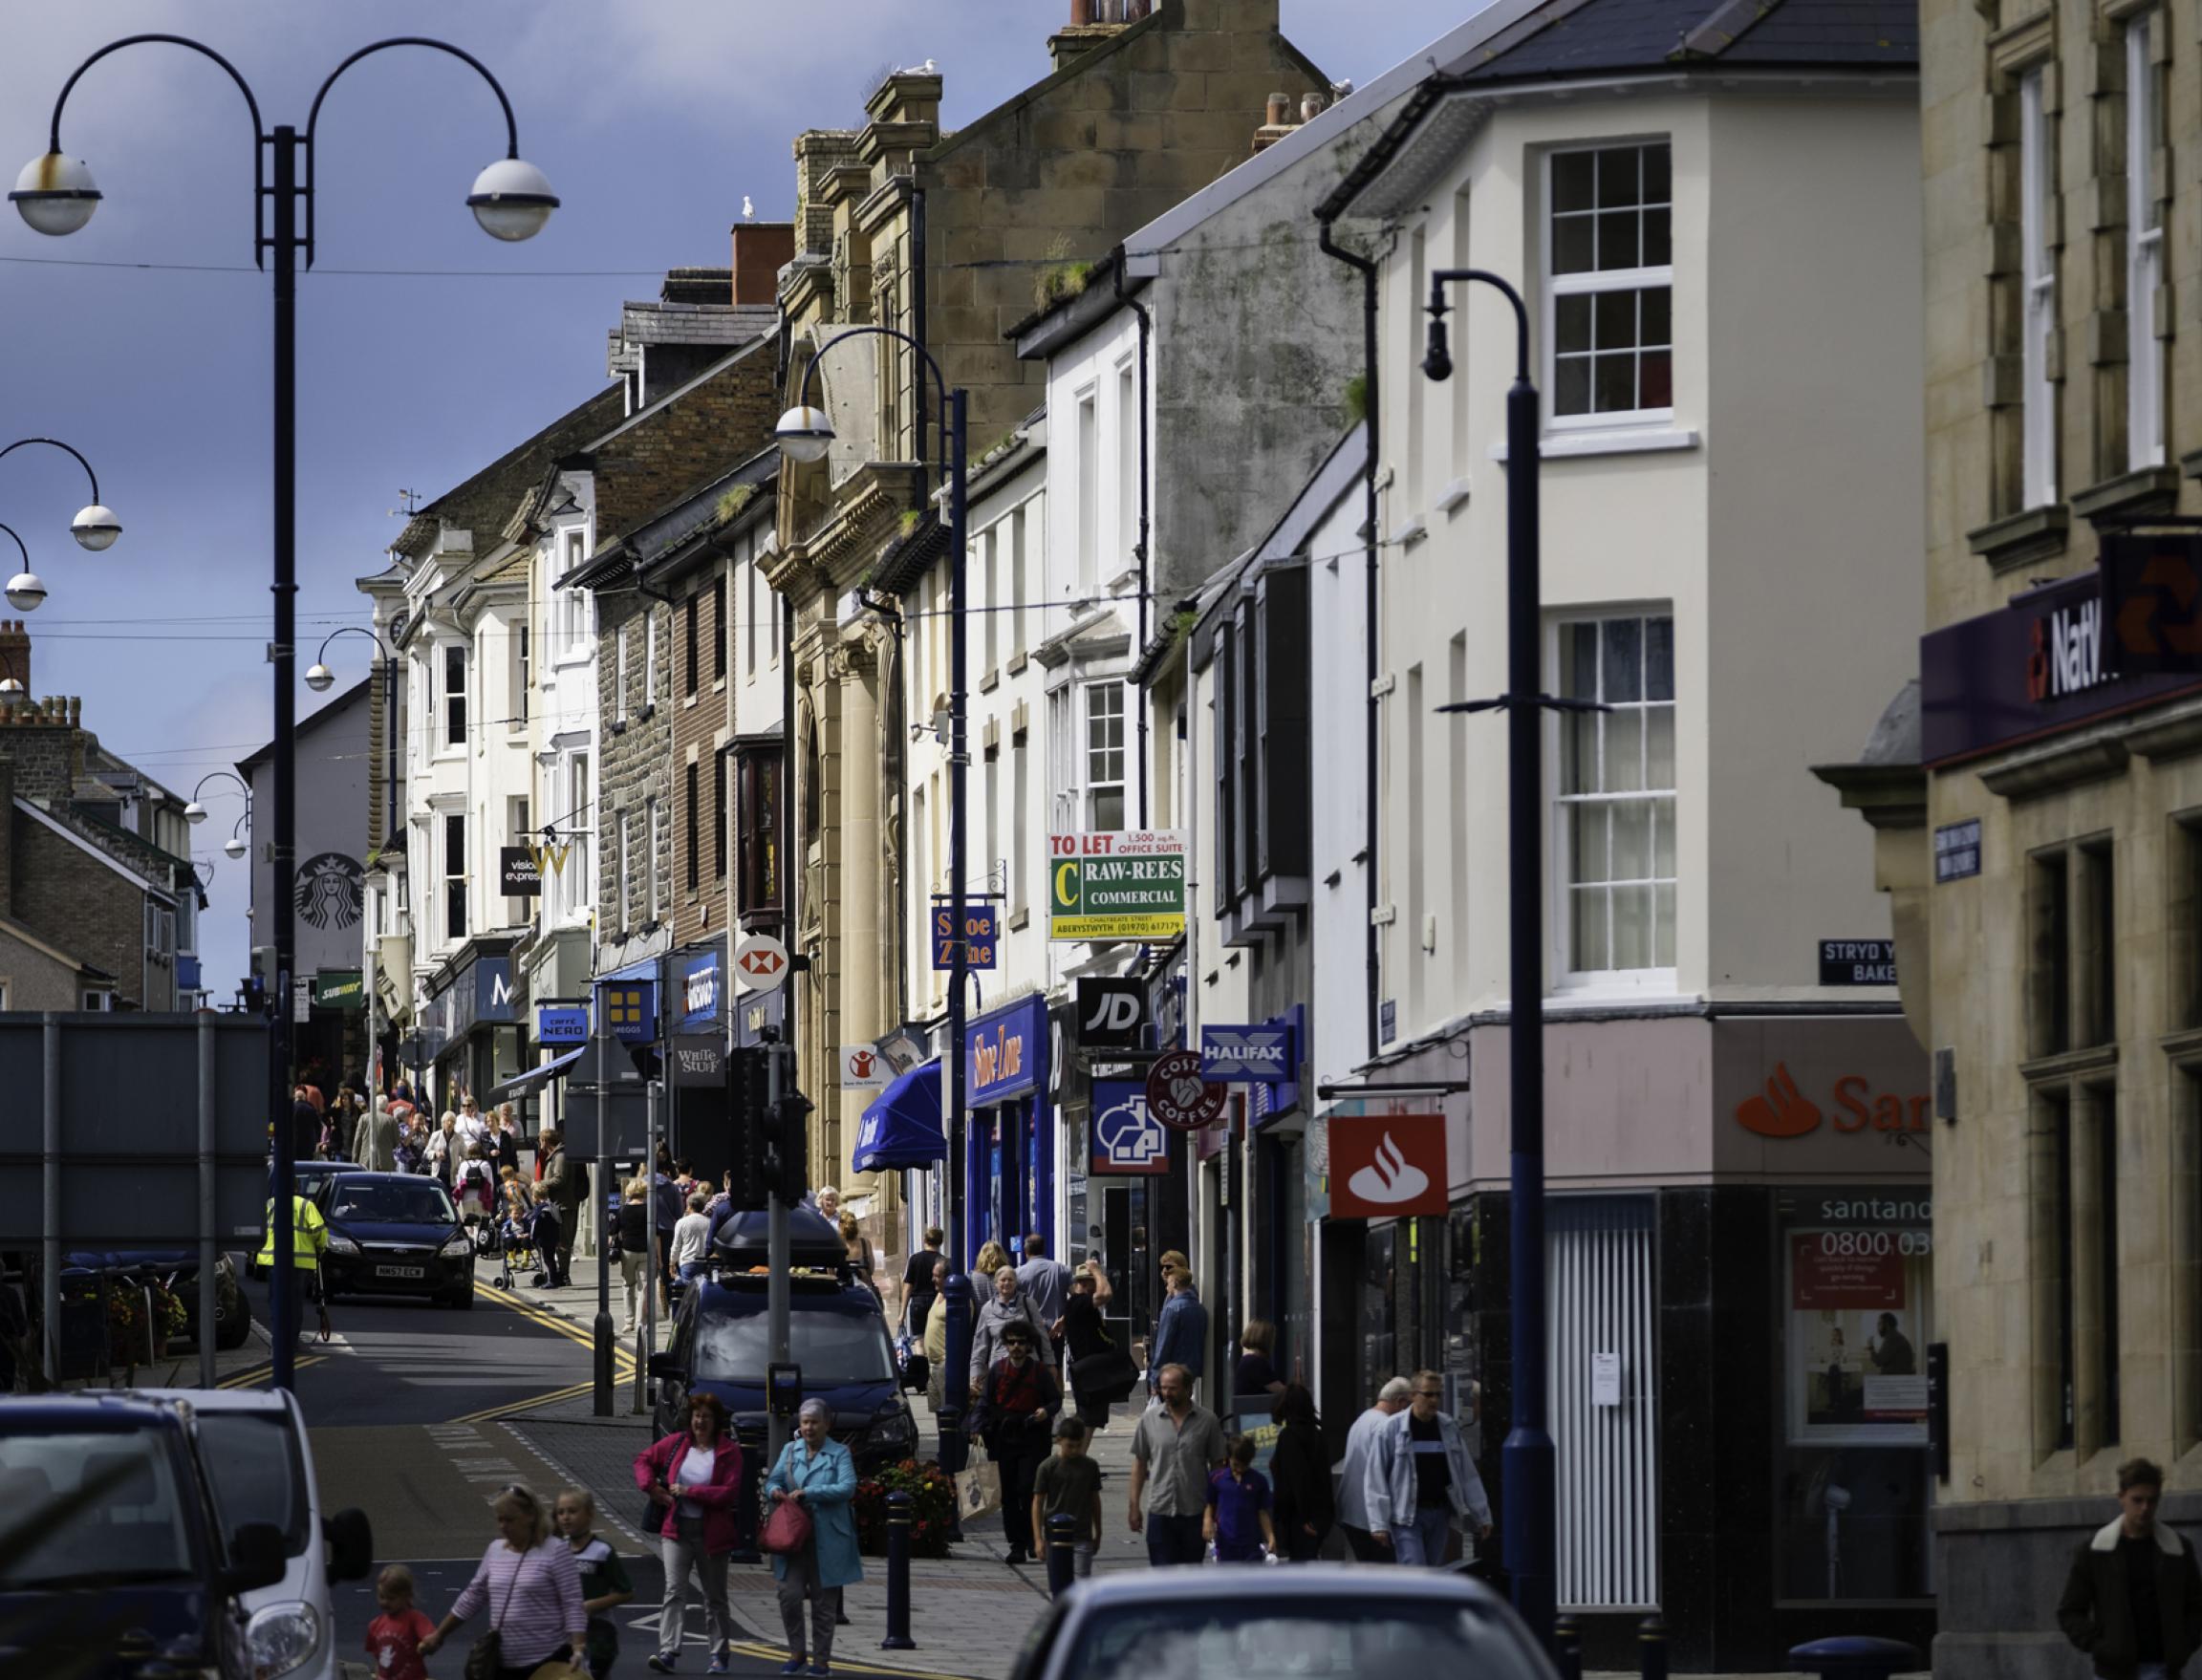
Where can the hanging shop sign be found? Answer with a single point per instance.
(699, 988)
(1387, 1165)
(519, 871)
(631, 1010)
(698, 1060)
(1112, 1013)
(562, 1024)
(863, 1067)
(982, 936)
(760, 963)
(1116, 886)
(1177, 1096)
(1126, 1137)
(339, 988)
(1259, 1054)
(1003, 1052)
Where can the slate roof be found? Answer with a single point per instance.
(1566, 39)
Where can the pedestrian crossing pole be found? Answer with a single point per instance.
(778, 1257)
(602, 1329)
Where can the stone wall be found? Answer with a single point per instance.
(636, 767)
(71, 899)
(700, 727)
(32, 980)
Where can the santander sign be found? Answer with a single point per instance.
(1784, 1111)
(1387, 1165)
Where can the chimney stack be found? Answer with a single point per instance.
(761, 251)
(1091, 22)
(15, 652)
(1277, 122)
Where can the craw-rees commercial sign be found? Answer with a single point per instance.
(1116, 886)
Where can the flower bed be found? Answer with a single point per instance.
(931, 1494)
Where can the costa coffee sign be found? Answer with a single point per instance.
(2118, 636)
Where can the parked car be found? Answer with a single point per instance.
(258, 1458)
(720, 1343)
(121, 1564)
(178, 1268)
(313, 1178)
(1313, 1622)
(395, 1234)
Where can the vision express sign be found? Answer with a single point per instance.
(1116, 886)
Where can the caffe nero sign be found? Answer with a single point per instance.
(2110, 639)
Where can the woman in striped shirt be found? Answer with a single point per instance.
(532, 1586)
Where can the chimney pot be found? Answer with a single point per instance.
(1312, 107)
(1280, 110)
(1081, 14)
(761, 251)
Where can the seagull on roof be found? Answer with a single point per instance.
(748, 210)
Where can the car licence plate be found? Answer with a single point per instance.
(400, 1271)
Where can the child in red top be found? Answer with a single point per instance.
(394, 1637)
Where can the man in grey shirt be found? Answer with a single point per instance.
(1045, 1282)
(1360, 1446)
(1174, 1450)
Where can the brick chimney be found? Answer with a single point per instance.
(1091, 22)
(15, 652)
(695, 285)
(761, 251)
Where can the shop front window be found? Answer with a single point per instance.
(1854, 1480)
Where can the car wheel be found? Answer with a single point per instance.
(235, 1330)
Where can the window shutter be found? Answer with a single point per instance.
(1286, 725)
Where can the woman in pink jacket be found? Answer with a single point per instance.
(694, 1480)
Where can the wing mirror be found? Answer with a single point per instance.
(257, 1557)
(351, 1544)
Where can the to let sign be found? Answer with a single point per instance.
(1116, 886)
(1857, 963)
(982, 935)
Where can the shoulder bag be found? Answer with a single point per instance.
(787, 1529)
(486, 1656)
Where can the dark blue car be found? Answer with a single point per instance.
(130, 1572)
(721, 1343)
(395, 1234)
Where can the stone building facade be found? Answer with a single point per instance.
(2036, 796)
(952, 239)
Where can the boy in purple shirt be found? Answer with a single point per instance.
(1237, 1515)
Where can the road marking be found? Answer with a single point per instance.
(493, 1413)
(260, 1373)
(565, 1477)
(622, 1358)
(777, 1652)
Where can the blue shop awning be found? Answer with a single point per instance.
(902, 1129)
(557, 1068)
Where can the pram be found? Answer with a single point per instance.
(512, 1244)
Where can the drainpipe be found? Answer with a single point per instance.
(1367, 272)
(1139, 641)
(918, 391)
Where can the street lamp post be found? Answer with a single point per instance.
(511, 200)
(321, 678)
(25, 589)
(1526, 1460)
(806, 432)
(95, 527)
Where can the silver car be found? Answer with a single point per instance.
(1321, 1621)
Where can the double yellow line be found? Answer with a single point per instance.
(623, 1361)
(774, 1653)
(252, 1376)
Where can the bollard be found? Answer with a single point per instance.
(1062, 1553)
(1854, 1657)
(1568, 1645)
(955, 1458)
(897, 1575)
(1651, 1648)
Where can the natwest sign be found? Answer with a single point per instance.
(1387, 1165)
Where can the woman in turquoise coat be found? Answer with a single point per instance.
(817, 1474)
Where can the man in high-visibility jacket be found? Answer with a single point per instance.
(308, 1237)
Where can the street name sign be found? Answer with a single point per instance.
(1116, 886)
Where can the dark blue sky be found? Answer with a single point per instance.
(652, 117)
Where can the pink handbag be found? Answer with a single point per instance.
(786, 1531)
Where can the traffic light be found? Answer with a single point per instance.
(786, 1162)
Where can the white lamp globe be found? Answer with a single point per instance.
(24, 591)
(321, 678)
(194, 814)
(96, 527)
(234, 846)
(805, 434)
(54, 194)
(511, 200)
(11, 691)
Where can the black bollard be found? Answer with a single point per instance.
(1651, 1648)
(955, 1458)
(897, 1575)
(1568, 1645)
(1062, 1552)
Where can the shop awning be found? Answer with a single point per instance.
(902, 1129)
(557, 1069)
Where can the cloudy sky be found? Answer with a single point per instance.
(425, 349)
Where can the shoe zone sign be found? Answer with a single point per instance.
(1125, 1137)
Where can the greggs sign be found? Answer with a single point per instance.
(1853, 1104)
